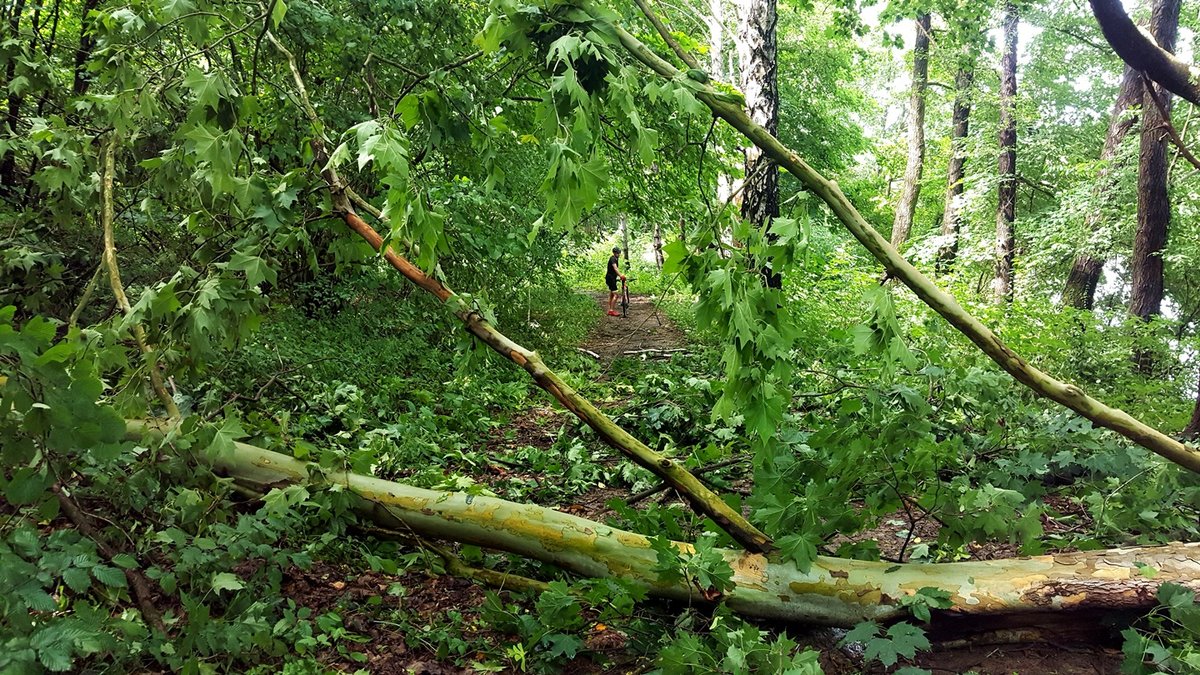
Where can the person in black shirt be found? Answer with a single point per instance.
(611, 274)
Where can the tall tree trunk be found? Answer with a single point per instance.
(87, 42)
(1192, 431)
(1154, 206)
(955, 173)
(715, 21)
(8, 166)
(658, 245)
(1006, 209)
(902, 224)
(623, 224)
(759, 68)
(1080, 290)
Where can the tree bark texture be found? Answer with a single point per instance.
(945, 304)
(702, 499)
(759, 72)
(902, 223)
(1192, 431)
(87, 43)
(715, 21)
(1154, 204)
(835, 591)
(1006, 208)
(8, 166)
(1080, 289)
(964, 79)
(658, 245)
(623, 225)
(1150, 56)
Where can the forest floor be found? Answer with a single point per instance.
(427, 601)
(644, 330)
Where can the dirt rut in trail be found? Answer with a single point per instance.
(644, 327)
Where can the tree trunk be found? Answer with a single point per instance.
(757, 56)
(1154, 203)
(8, 166)
(1192, 431)
(955, 173)
(1006, 209)
(1080, 289)
(623, 226)
(1154, 206)
(658, 245)
(835, 591)
(902, 223)
(1143, 55)
(87, 42)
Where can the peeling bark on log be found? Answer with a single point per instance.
(1069, 395)
(835, 591)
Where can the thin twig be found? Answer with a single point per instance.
(87, 296)
(1170, 128)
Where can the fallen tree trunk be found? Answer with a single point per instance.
(835, 591)
(1067, 394)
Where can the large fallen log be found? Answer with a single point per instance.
(835, 591)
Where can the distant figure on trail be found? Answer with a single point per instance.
(610, 277)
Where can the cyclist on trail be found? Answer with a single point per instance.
(611, 274)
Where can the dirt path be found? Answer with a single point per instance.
(643, 327)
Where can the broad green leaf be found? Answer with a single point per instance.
(226, 581)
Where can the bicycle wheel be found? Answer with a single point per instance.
(624, 300)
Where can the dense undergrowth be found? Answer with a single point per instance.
(208, 146)
(367, 377)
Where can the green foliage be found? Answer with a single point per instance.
(888, 646)
(702, 567)
(736, 647)
(1166, 641)
(504, 174)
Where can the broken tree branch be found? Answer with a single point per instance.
(109, 261)
(1068, 395)
(700, 498)
(1172, 132)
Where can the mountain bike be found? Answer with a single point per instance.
(624, 300)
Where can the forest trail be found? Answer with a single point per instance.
(645, 327)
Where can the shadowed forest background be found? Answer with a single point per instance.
(305, 366)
